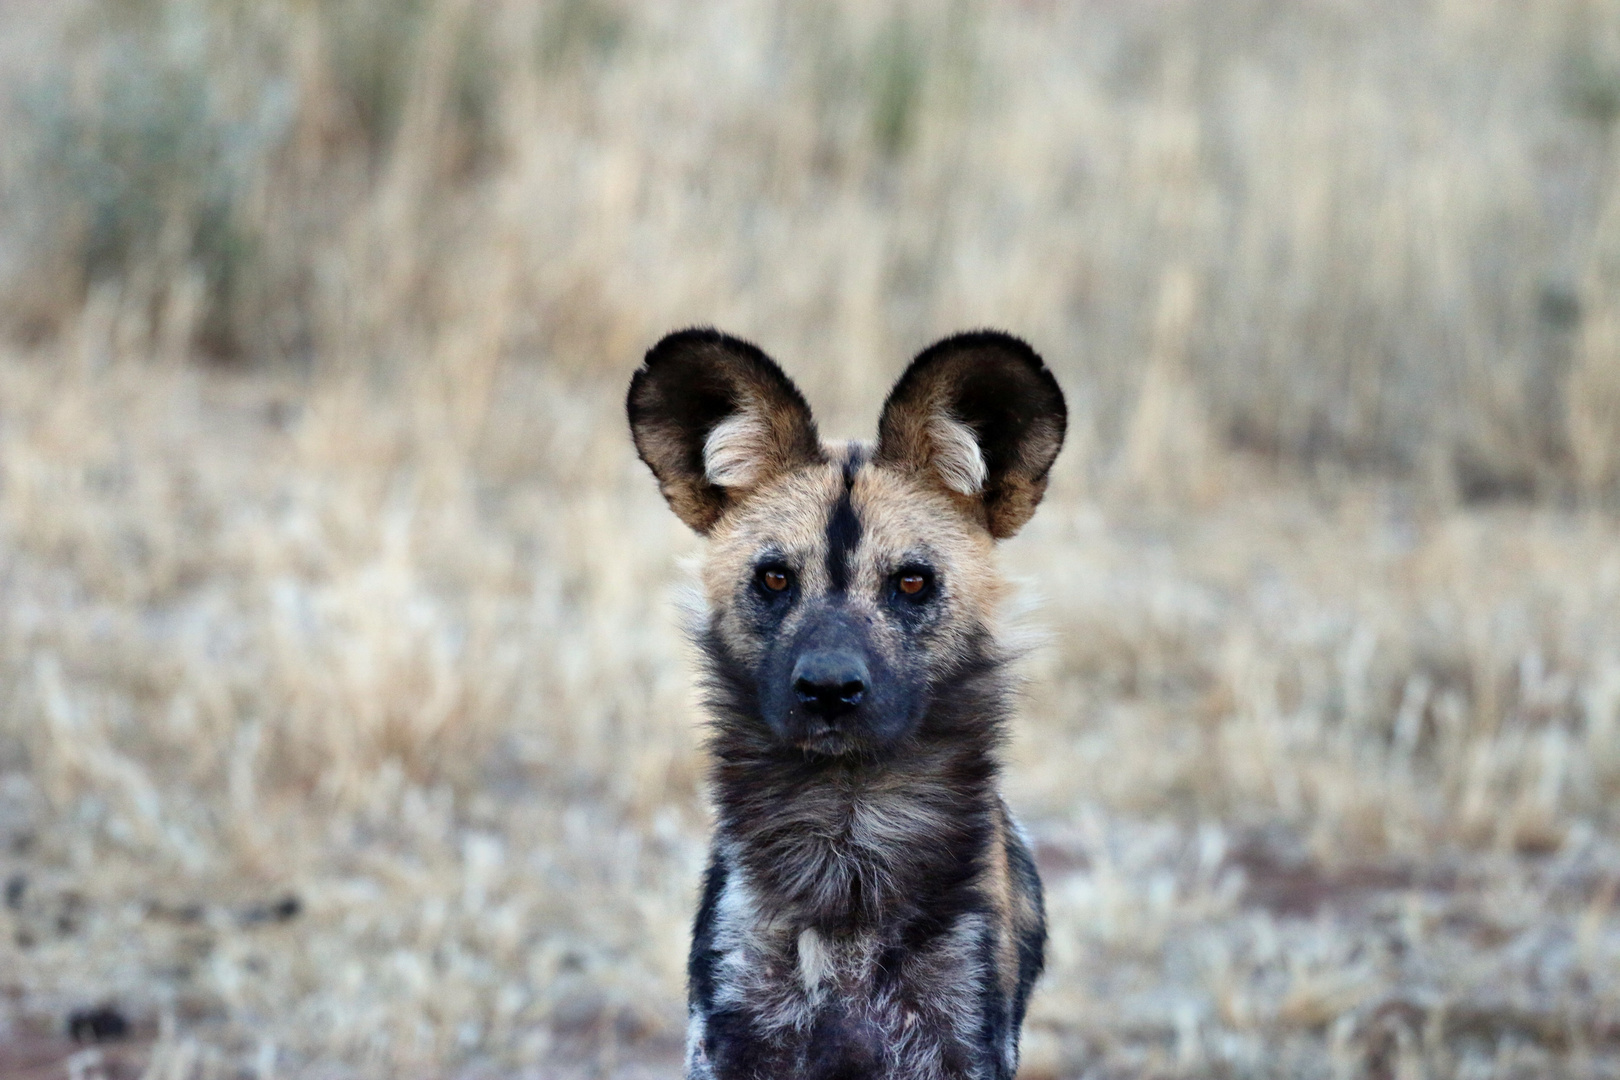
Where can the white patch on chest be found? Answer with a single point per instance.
(783, 975)
(815, 960)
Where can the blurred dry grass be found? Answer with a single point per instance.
(345, 728)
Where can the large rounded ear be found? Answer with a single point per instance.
(713, 417)
(983, 417)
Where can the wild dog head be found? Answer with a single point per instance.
(847, 582)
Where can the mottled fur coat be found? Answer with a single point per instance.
(871, 909)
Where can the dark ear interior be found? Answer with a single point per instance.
(981, 413)
(713, 416)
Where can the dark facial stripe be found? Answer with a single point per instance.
(844, 526)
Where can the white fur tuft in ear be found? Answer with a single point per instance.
(736, 450)
(957, 458)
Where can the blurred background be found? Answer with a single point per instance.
(346, 728)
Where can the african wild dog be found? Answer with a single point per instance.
(870, 908)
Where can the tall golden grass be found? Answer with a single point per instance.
(345, 724)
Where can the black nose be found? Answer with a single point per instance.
(829, 684)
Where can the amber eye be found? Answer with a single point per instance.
(774, 580)
(912, 584)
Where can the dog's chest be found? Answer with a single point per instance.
(915, 1010)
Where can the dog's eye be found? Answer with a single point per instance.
(774, 578)
(912, 584)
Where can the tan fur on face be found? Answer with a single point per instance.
(905, 518)
(786, 515)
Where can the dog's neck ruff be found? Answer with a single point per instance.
(860, 842)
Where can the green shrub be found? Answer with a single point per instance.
(898, 72)
(1592, 86)
(147, 169)
(575, 30)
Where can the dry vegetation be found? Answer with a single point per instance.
(345, 725)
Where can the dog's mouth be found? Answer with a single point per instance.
(824, 740)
